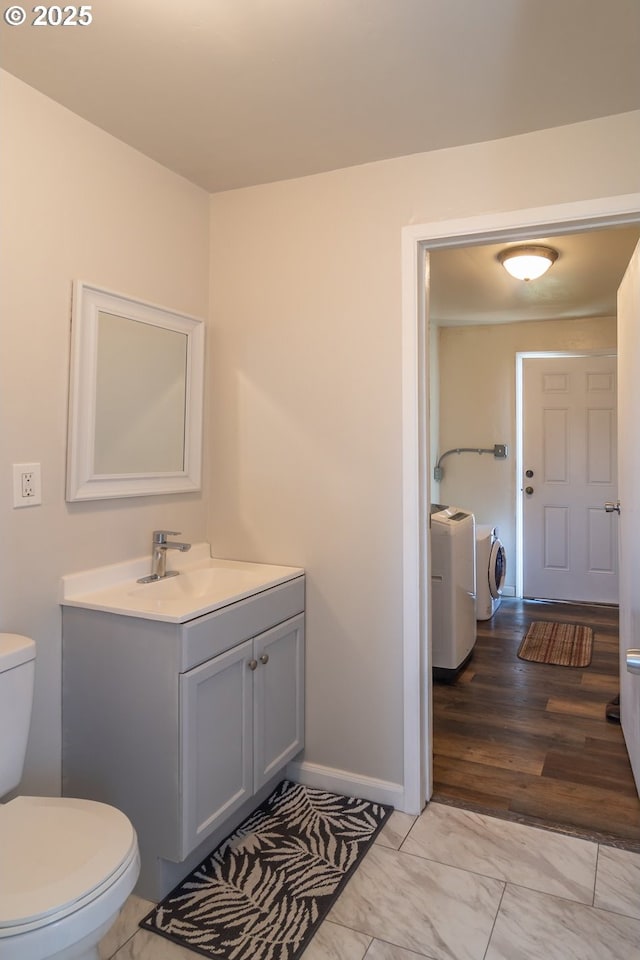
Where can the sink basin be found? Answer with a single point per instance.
(213, 580)
(219, 580)
(202, 585)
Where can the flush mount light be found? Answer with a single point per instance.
(527, 262)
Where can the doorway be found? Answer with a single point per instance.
(416, 243)
(566, 543)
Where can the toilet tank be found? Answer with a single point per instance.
(17, 668)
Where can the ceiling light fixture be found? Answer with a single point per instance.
(527, 262)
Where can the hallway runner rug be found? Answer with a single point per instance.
(263, 893)
(562, 644)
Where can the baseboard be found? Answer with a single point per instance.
(347, 783)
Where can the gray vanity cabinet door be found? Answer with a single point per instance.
(216, 728)
(278, 719)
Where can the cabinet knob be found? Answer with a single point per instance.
(264, 658)
(252, 664)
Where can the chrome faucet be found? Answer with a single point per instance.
(159, 548)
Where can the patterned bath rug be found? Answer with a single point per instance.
(262, 894)
(563, 644)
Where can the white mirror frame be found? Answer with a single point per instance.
(82, 481)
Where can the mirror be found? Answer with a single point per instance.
(140, 369)
(136, 398)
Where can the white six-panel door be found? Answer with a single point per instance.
(569, 472)
(629, 467)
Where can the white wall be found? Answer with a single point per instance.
(434, 410)
(478, 408)
(76, 203)
(306, 398)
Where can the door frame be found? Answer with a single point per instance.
(416, 242)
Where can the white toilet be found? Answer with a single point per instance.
(66, 866)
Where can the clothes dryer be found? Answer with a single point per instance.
(453, 576)
(491, 569)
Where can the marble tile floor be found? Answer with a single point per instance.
(453, 884)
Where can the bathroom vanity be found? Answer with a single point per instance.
(184, 721)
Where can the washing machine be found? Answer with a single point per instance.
(491, 569)
(453, 582)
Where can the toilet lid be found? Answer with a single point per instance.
(55, 851)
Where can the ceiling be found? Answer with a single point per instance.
(468, 285)
(236, 92)
(231, 93)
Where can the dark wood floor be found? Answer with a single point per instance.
(531, 741)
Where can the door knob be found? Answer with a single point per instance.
(633, 661)
(612, 507)
(528, 490)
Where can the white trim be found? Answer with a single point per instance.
(417, 743)
(517, 224)
(346, 783)
(490, 227)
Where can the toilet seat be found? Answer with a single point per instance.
(58, 855)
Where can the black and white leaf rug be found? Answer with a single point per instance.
(262, 894)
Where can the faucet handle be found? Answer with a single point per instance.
(160, 536)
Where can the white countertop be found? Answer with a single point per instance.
(203, 584)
